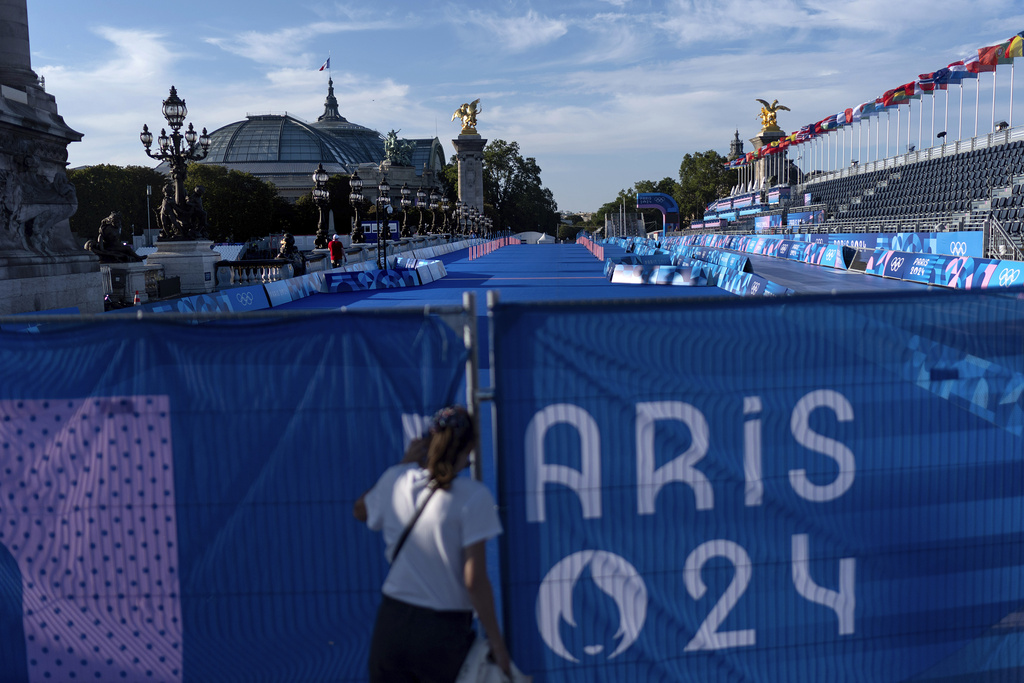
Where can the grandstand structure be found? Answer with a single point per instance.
(968, 185)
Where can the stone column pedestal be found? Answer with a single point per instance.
(30, 282)
(773, 164)
(470, 152)
(192, 261)
(128, 278)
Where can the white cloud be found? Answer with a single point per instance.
(517, 34)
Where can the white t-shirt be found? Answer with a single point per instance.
(429, 570)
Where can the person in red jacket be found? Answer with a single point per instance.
(337, 251)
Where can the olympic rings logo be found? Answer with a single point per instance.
(244, 298)
(958, 248)
(1008, 277)
(896, 263)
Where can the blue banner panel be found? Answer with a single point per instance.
(359, 280)
(176, 499)
(820, 489)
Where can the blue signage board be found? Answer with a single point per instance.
(714, 514)
(177, 498)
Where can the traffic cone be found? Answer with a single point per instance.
(138, 299)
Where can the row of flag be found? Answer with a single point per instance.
(984, 60)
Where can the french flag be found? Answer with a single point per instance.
(327, 65)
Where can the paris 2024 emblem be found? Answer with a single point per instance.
(613, 576)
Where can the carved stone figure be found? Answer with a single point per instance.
(397, 152)
(289, 252)
(188, 222)
(468, 113)
(34, 211)
(108, 245)
(196, 212)
(769, 116)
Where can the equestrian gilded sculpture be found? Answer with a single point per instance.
(468, 113)
(768, 115)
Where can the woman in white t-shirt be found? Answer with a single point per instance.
(439, 576)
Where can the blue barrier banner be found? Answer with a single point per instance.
(821, 489)
(176, 499)
(897, 264)
(359, 280)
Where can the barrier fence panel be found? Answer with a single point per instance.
(820, 489)
(176, 499)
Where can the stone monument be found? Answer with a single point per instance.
(182, 249)
(772, 166)
(42, 266)
(469, 149)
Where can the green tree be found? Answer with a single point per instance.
(703, 178)
(105, 188)
(239, 206)
(513, 190)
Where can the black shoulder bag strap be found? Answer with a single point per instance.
(408, 529)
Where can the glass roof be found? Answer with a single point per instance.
(274, 138)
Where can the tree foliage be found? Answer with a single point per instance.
(514, 197)
(105, 188)
(513, 190)
(628, 198)
(703, 178)
(239, 206)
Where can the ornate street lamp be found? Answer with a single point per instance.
(461, 214)
(356, 199)
(444, 212)
(435, 201)
(406, 204)
(421, 202)
(322, 198)
(186, 218)
(383, 202)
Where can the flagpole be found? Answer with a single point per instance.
(977, 104)
(887, 121)
(898, 129)
(920, 125)
(1011, 95)
(960, 122)
(933, 116)
(945, 121)
(993, 102)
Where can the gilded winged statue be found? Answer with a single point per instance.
(468, 112)
(768, 114)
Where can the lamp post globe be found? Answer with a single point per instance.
(435, 202)
(406, 203)
(383, 204)
(322, 198)
(421, 203)
(182, 217)
(356, 200)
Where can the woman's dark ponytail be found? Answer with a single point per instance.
(451, 432)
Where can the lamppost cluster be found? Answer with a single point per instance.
(471, 221)
(356, 199)
(322, 199)
(181, 216)
(383, 204)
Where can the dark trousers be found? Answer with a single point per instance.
(417, 645)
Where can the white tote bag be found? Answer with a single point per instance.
(478, 667)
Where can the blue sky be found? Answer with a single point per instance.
(601, 93)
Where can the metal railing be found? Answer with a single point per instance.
(938, 151)
(999, 244)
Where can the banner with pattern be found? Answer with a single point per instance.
(756, 490)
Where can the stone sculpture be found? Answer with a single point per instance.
(468, 113)
(769, 116)
(108, 245)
